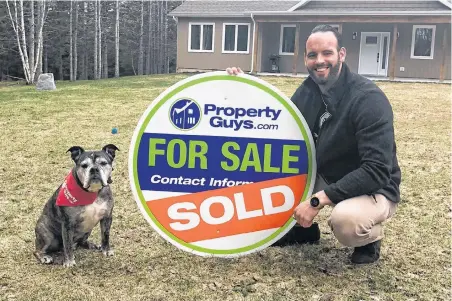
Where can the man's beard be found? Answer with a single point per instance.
(330, 78)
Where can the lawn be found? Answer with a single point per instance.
(38, 127)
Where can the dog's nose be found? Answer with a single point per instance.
(94, 170)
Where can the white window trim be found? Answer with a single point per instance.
(202, 36)
(413, 37)
(236, 38)
(281, 39)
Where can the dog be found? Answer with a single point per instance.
(82, 201)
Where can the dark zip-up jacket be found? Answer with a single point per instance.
(355, 148)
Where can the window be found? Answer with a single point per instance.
(371, 40)
(423, 41)
(287, 40)
(335, 26)
(201, 37)
(236, 37)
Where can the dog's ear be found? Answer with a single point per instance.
(111, 150)
(76, 151)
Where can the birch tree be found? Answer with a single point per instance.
(76, 42)
(41, 10)
(16, 14)
(71, 50)
(117, 40)
(32, 33)
(99, 19)
(141, 52)
(96, 34)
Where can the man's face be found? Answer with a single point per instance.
(322, 59)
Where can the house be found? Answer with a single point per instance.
(389, 39)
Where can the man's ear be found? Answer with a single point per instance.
(76, 151)
(342, 54)
(110, 149)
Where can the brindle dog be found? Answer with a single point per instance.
(62, 228)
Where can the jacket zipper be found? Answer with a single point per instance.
(320, 127)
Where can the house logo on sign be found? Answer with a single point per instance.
(185, 114)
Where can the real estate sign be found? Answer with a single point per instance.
(219, 162)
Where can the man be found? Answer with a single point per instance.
(351, 121)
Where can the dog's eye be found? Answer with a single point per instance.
(84, 165)
(103, 163)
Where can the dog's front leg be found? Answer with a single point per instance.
(67, 232)
(105, 225)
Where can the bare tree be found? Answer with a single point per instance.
(141, 54)
(32, 33)
(71, 48)
(76, 42)
(41, 10)
(18, 24)
(105, 58)
(117, 40)
(84, 73)
(99, 19)
(96, 34)
(148, 48)
(166, 70)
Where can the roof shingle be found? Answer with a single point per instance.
(217, 7)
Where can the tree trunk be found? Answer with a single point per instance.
(105, 72)
(159, 30)
(40, 45)
(32, 34)
(46, 62)
(117, 40)
(71, 49)
(96, 39)
(60, 69)
(100, 40)
(166, 61)
(161, 46)
(148, 51)
(140, 54)
(76, 42)
(85, 40)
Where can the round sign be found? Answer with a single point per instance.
(218, 163)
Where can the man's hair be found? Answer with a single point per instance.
(326, 28)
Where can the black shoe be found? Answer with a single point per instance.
(367, 254)
(299, 235)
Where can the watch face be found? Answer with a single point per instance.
(315, 202)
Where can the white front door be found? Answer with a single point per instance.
(373, 55)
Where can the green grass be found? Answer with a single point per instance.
(38, 127)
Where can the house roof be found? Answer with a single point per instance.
(380, 5)
(230, 8)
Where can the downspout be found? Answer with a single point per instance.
(175, 20)
(254, 36)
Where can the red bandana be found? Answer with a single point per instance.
(71, 194)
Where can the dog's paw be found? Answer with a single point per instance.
(69, 263)
(94, 247)
(109, 252)
(46, 259)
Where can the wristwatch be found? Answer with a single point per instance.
(314, 201)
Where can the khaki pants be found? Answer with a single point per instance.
(358, 221)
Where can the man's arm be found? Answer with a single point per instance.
(374, 131)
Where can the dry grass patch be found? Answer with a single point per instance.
(38, 127)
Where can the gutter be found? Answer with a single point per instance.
(357, 13)
(254, 37)
(315, 13)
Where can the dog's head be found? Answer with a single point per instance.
(93, 168)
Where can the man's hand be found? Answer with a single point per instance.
(234, 70)
(305, 213)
